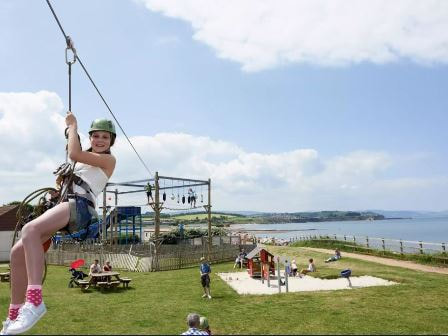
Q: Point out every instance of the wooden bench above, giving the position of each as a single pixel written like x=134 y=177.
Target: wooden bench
x=125 y=282
x=4 y=277
x=114 y=284
x=102 y=284
x=84 y=284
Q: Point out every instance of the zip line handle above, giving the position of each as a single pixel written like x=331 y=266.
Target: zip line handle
x=71 y=47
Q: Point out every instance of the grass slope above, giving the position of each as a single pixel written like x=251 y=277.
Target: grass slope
x=158 y=303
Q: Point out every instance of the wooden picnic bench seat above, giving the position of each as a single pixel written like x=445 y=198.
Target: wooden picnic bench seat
x=114 y=284
x=125 y=282
x=4 y=277
x=84 y=284
x=102 y=284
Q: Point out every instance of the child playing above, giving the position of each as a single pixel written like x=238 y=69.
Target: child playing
x=293 y=267
x=311 y=268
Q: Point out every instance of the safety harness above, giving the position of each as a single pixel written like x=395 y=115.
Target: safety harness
x=67 y=178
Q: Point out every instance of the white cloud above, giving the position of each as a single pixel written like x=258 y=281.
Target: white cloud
x=261 y=34
x=32 y=142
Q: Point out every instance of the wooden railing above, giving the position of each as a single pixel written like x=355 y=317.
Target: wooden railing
x=382 y=244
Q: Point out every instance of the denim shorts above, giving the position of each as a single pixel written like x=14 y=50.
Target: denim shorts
x=205 y=280
x=82 y=215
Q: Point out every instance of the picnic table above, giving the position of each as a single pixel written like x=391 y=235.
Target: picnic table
x=4 y=277
x=107 y=280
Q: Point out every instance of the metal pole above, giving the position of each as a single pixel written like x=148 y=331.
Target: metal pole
x=279 y=276
x=156 y=211
x=103 y=226
x=262 y=273
x=268 y=267
x=209 y=208
x=113 y=220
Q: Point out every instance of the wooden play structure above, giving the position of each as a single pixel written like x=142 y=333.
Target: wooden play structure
x=260 y=262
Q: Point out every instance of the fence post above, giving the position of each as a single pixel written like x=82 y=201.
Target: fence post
x=421 y=246
x=401 y=247
x=443 y=248
x=384 y=244
x=354 y=240
x=367 y=242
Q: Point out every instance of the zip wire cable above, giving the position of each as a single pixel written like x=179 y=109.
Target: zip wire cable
x=70 y=43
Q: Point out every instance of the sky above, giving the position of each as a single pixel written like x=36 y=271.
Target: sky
x=294 y=105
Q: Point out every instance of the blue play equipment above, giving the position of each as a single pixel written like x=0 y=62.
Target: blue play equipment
x=129 y=220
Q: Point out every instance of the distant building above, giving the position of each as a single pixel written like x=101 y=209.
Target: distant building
x=7 y=225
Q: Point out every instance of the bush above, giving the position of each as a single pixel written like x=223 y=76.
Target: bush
x=172 y=236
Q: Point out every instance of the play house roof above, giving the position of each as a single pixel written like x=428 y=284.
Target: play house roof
x=256 y=251
x=8 y=217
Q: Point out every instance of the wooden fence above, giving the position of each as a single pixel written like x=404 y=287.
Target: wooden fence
x=142 y=257
x=382 y=244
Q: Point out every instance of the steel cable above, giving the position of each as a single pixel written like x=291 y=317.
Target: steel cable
x=67 y=39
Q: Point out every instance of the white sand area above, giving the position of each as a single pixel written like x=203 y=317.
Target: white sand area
x=242 y=283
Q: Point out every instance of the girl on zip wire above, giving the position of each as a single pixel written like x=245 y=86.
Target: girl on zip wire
x=93 y=168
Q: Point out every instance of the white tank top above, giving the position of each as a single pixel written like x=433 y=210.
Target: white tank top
x=95 y=177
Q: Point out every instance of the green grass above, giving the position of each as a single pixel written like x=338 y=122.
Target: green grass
x=158 y=303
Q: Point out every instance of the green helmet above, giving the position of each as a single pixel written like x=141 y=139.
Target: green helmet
x=102 y=125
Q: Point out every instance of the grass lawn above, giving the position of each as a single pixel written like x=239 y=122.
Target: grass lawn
x=158 y=303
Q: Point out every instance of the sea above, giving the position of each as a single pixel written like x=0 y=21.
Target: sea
x=433 y=230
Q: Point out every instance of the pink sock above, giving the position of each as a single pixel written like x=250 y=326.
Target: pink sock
x=34 y=294
x=14 y=311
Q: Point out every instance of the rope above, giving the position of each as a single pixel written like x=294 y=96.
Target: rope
x=68 y=40
x=19 y=216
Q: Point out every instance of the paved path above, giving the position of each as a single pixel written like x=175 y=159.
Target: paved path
x=386 y=261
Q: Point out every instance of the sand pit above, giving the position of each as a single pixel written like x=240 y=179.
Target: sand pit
x=242 y=283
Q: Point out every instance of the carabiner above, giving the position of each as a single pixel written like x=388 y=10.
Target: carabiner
x=70 y=46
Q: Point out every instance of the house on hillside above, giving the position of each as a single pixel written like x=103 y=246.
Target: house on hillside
x=7 y=225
